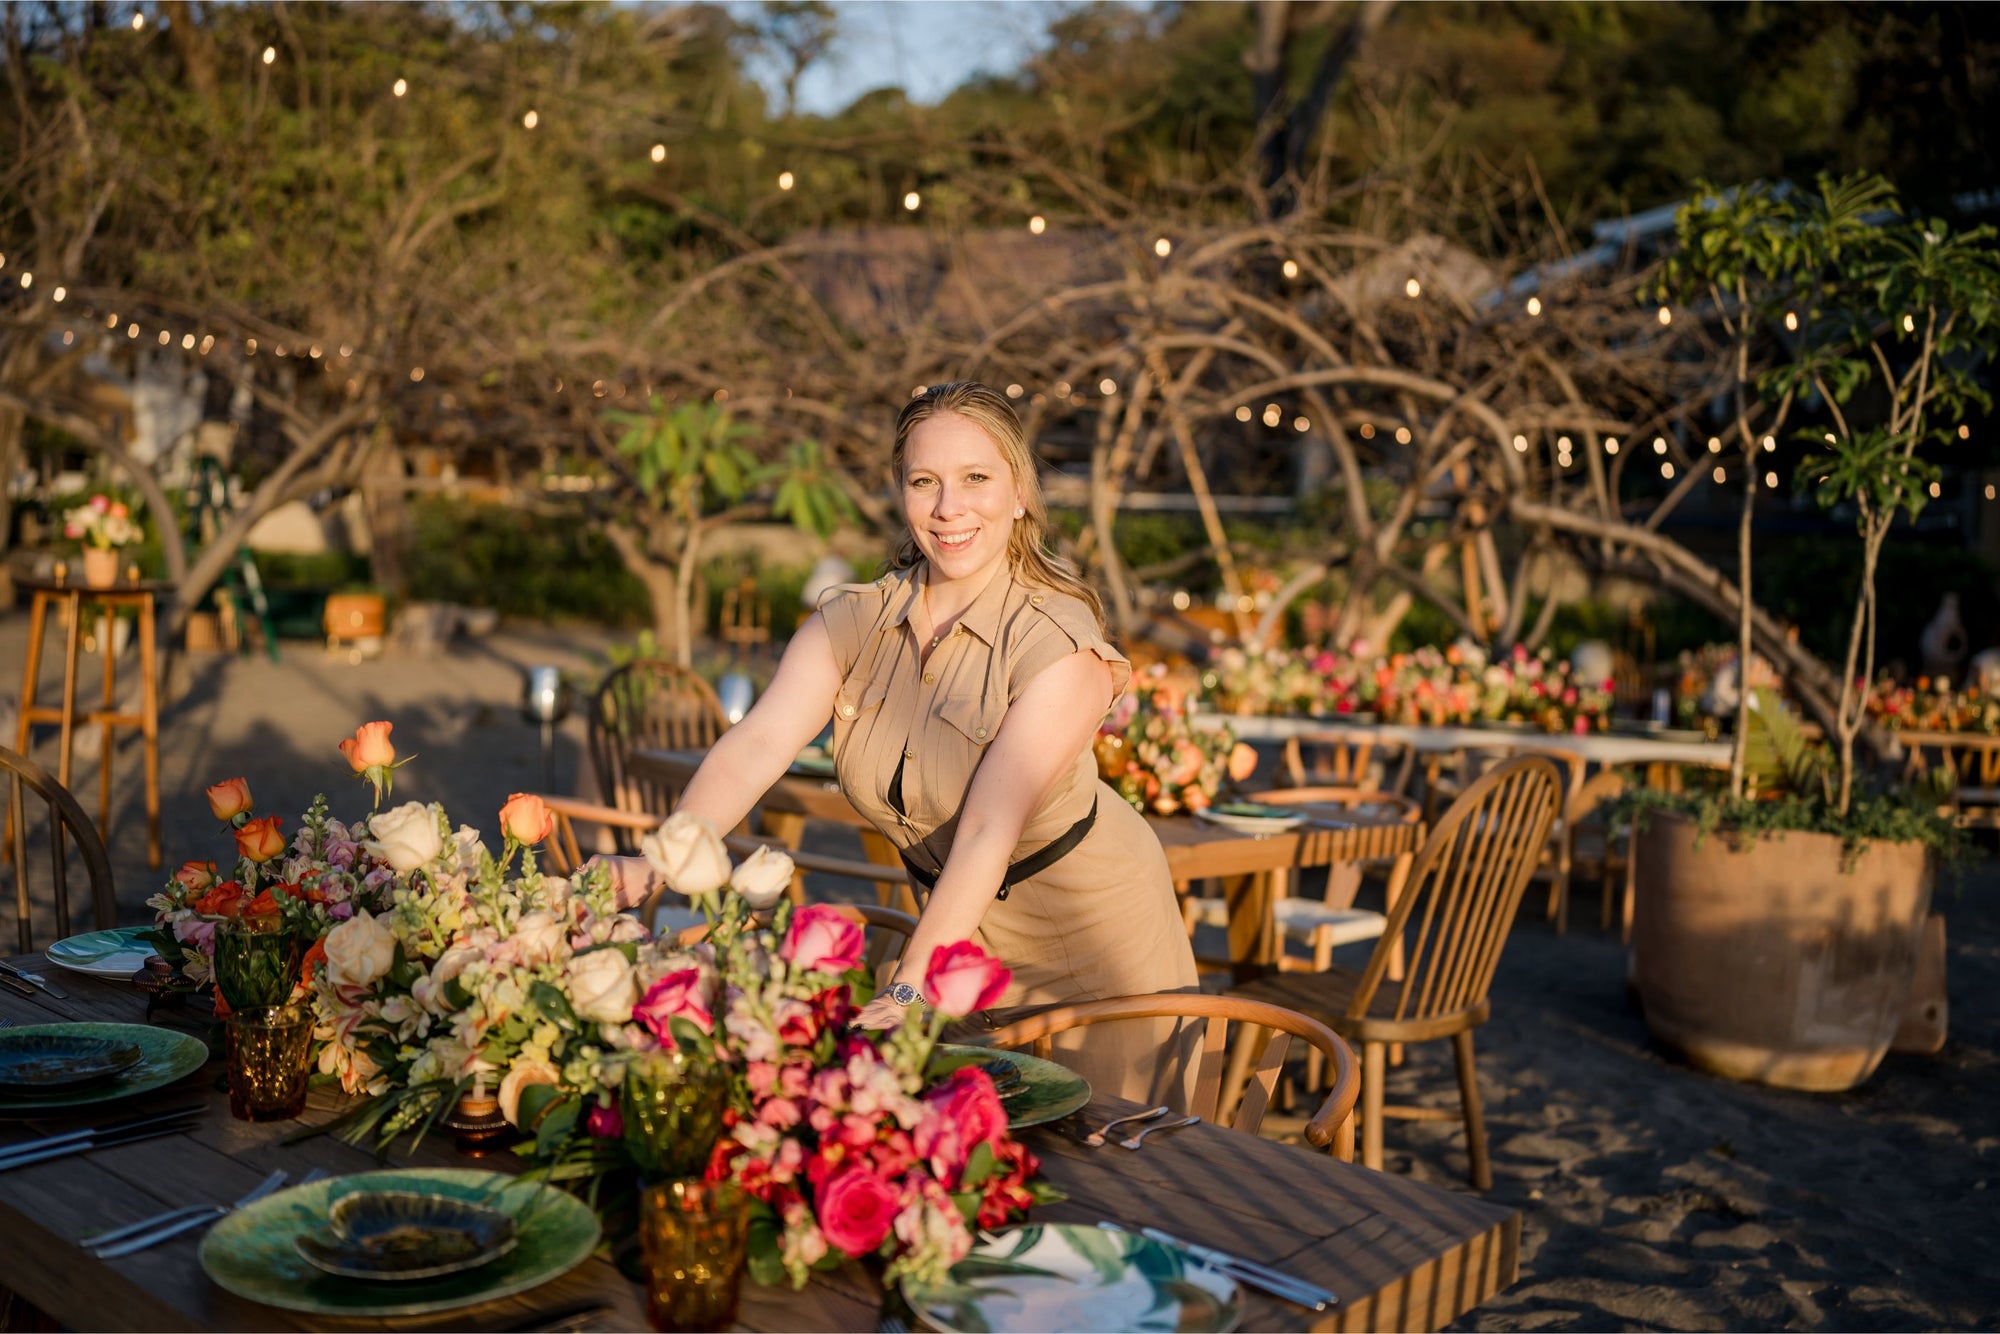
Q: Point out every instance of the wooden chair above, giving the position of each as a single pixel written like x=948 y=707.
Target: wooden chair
x=648 y=704
x=1558 y=862
x=1345 y=757
x=66 y=824
x=1459 y=903
x=1270 y=1029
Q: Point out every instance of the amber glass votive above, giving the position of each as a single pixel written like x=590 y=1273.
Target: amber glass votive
x=256 y=961
x=268 y=1047
x=693 y=1236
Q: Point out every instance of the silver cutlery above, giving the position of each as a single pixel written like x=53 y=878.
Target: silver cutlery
x=207 y=1215
x=186 y=1211
x=99 y=1137
x=1096 y=1138
x=1140 y=1138
x=1274 y=1281
x=35 y=980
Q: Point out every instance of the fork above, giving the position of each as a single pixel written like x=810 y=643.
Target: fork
x=1096 y=1138
x=165 y=1229
x=1140 y=1138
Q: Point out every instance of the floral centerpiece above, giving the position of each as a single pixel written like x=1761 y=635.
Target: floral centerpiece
x=1933 y=706
x=101 y=524
x=1157 y=759
x=438 y=969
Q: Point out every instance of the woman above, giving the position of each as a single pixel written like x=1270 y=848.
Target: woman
x=965 y=688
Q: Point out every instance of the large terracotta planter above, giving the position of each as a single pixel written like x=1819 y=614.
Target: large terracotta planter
x=1768 y=961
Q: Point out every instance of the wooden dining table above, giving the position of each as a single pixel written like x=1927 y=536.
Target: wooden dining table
x=1250 y=866
x=1401 y=1255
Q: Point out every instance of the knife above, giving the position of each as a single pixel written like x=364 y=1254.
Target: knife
x=100 y=1142
x=1274 y=1281
x=34 y=980
x=30 y=1148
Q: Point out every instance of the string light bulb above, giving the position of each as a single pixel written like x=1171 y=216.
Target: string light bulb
x=1666 y=316
x=1659 y=444
x=27 y=280
x=912 y=201
x=1037 y=225
x=1770 y=445
x=165 y=338
x=111 y=320
x=1301 y=424
x=416 y=374
x=1667 y=470
x=1402 y=435
x=187 y=342
x=1792 y=321
x=1272 y=414
x=1163 y=247
x=659 y=152
x=1013 y=391
x=62 y=292
x=532 y=119
x=1936 y=491
x=1989 y=490
x=1413 y=288
x=1291 y=268
x=1611 y=444
x=1714 y=445
x=1771 y=481
x=1107 y=386
x=1964 y=432
x=1243 y=413
x=207 y=342
x=786 y=180
x=132 y=329
x=402 y=86
x=138 y=22
x=1909 y=324
x=270 y=54
x=1520 y=444
x=1367 y=430
x=69 y=336
x=250 y=346
x=1720 y=475
x=1534 y=306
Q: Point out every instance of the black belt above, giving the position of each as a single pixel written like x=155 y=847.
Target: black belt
x=1029 y=866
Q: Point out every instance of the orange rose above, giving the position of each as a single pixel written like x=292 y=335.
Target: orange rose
x=195 y=877
x=231 y=799
x=526 y=819
x=259 y=840
x=1242 y=761
x=315 y=960
x=221 y=1005
x=225 y=900
x=369 y=747
x=264 y=905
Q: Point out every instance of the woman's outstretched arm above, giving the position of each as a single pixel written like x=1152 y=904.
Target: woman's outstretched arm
x=1046 y=728
x=748 y=758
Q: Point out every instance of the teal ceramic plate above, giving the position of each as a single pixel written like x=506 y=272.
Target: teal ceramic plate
x=1243 y=823
x=1067 y=1277
x=252 y=1251
x=164 y=1057
x=42 y=1064
x=1046 y=1091
x=117 y=953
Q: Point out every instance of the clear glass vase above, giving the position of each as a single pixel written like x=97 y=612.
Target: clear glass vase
x=256 y=961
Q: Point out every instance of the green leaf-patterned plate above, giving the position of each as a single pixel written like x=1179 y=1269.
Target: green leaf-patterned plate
x=116 y=954
x=1047 y=1091
x=251 y=1252
x=1066 y=1277
x=164 y=1057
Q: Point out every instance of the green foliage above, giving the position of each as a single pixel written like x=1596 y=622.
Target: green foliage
x=540 y=566
x=809 y=492
x=1890 y=817
x=319 y=571
x=690 y=458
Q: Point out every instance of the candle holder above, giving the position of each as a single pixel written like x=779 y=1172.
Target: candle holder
x=268 y=1050
x=672 y=1106
x=693 y=1239
x=477 y=1125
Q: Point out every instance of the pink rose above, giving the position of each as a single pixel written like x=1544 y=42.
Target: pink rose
x=798 y=1023
x=857 y=1209
x=963 y=979
x=970 y=1102
x=823 y=939
x=675 y=994
x=605 y=1122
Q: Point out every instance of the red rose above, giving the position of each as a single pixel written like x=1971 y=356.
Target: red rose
x=856 y=1210
x=315 y=960
x=225 y=900
x=963 y=979
x=264 y=905
x=965 y=1112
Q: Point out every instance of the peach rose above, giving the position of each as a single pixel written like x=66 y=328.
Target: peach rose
x=195 y=877
x=369 y=747
x=519 y=1078
x=259 y=840
x=526 y=819
x=230 y=799
x=1242 y=761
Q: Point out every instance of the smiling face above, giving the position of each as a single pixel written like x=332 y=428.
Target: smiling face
x=959 y=498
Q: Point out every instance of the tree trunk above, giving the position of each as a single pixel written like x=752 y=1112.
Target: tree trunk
x=1744 y=612
x=385 y=501
x=660 y=580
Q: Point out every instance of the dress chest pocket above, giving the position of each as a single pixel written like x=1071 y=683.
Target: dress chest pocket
x=857 y=698
x=977 y=717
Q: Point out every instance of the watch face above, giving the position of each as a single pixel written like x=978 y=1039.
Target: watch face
x=903 y=993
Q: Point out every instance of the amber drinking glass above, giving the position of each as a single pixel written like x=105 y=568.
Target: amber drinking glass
x=268 y=1047
x=672 y=1106
x=693 y=1236
x=256 y=961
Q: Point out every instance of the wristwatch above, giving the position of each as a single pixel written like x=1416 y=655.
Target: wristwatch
x=903 y=994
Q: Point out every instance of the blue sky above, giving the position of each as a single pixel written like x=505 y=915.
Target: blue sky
x=925 y=47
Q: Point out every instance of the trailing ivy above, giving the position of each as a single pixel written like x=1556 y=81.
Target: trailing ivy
x=1887 y=817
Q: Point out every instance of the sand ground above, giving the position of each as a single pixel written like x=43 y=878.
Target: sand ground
x=1653 y=1196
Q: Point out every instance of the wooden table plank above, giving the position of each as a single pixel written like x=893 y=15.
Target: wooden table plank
x=1401 y=1254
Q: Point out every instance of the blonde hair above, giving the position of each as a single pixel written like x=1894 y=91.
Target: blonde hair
x=1027 y=551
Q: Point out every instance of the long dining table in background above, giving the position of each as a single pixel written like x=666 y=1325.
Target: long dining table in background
x=1400 y=1254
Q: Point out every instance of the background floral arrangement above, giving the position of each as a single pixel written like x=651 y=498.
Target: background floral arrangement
x=1429 y=686
x=1158 y=760
x=1933 y=706
x=101 y=523
x=437 y=969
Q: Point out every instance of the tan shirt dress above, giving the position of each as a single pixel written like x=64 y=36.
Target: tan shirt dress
x=1103 y=921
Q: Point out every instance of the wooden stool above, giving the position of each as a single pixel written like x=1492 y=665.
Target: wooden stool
x=73 y=598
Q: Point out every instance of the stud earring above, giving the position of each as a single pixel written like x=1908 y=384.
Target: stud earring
x=1021 y=513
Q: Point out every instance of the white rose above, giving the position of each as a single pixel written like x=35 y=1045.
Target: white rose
x=538 y=938
x=523 y=1073
x=359 y=951
x=763 y=877
x=601 y=986
x=687 y=854
x=406 y=837
x=467 y=845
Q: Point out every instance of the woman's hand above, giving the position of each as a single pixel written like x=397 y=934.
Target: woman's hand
x=879 y=1013
x=632 y=877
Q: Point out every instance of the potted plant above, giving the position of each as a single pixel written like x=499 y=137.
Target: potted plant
x=1777 y=922
x=102 y=525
